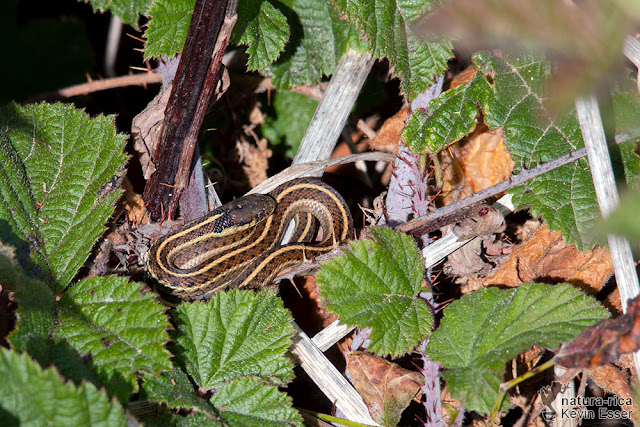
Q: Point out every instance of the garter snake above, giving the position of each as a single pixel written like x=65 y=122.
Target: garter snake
x=238 y=244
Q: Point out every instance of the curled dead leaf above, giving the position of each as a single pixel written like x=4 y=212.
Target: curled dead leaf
x=388 y=137
x=146 y=130
x=387 y=389
x=474 y=163
x=545 y=257
x=603 y=342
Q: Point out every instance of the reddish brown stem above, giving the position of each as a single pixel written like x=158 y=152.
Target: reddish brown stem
x=199 y=71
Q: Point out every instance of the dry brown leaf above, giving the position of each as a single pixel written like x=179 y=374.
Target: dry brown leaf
x=146 y=130
x=388 y=137
x=254 y=159
x=613 y=380
x=603 y=342
x=474 y=163
x=134 y=205
x=463 y=77
x=547 y=258
x=386 y=388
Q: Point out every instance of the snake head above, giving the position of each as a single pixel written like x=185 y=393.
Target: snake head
x=249 y=209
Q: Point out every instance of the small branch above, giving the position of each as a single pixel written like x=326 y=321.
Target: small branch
x=449 y=214
x=140 y=79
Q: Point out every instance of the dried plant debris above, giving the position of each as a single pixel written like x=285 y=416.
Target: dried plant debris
x=545 y=257
x=146 y=129
x=482 y=255
x=604 y=342
x=474 y=163
x=386 y=388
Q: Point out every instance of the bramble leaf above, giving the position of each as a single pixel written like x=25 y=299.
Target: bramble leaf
x=483 y=330
x=247 y=402
x=35 y=312
x=127 y=10
x=236 y=334
x=376 y=285
x=55 y=195
x=318 y=40
x=30 y=395
x=452 y=115
x=264 y=29
x=387 y=25
x=565 y=196
x=174 y=389
x=122 y=328
x=168 y=26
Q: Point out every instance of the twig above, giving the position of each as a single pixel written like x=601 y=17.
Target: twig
x=317 y=167
x=140 y=79
x=607 y=195
x=435 y=219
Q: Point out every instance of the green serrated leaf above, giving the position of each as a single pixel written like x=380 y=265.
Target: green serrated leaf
x=376 y=285
x=32 y=396
x=246 y=402
x=174 y=389
x=168 y=26
x=122 y=328
x=263 y=28
x=235 y=334
x=193 y=419
x=564 y=197
x=514 y=101
x=452 y=115
x=626 y=104
x=68 y=159
x=630 y=163
x=387 y=25
x=19 y=226
x=485 y=329
x=287 y=123
x=318 y=40
x=127 y=10
x=36 y=305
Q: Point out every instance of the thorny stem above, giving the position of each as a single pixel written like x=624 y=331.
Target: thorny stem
x=409 y=194
x=199 y=71
x=139 y=79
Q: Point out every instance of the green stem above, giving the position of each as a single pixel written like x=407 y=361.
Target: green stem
x=506 y=386
x=330 y=419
